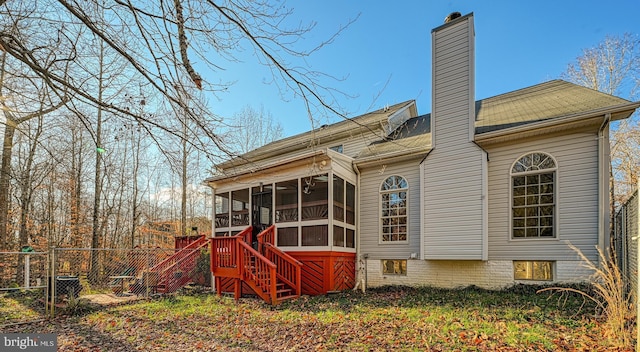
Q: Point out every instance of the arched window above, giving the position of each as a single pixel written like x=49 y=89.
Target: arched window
x=533 y=199
x=393 y=206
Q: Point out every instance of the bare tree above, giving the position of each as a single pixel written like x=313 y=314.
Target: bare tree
x=613 y=67
x=251 y=128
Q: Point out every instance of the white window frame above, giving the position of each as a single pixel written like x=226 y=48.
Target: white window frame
x=406 y=215
x=512 y=174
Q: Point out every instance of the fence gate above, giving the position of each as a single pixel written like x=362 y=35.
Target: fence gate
x=23 y=287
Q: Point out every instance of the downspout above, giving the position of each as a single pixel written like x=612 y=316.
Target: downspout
x=358 y=254
x=603 y=182
x=422 y=230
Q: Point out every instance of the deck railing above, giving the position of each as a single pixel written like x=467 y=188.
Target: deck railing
x=258 y=272
x=233 y=257
x=288 y=268
x=178 y=255
x=177 y=274
x=224 y=253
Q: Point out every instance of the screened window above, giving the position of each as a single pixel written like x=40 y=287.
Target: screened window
x=533 y=199
x=393 y=205
x=222 y=210
x=240 y=207
x=287 y=201
x=315 y=197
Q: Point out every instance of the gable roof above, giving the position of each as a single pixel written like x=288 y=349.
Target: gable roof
x=542 y=102
x=371 y=122
x=548 y=101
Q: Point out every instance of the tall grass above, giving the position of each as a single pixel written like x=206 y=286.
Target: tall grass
x=611 y=295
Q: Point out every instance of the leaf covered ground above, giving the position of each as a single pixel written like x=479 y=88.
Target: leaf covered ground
x=384 y=319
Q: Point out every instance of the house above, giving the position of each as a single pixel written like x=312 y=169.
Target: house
x=486 y=193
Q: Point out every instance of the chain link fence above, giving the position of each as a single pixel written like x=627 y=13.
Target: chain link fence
x=36 y=285
x=626 y=240
x=23 y=287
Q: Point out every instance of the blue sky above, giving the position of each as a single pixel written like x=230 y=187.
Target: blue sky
x=518 y=44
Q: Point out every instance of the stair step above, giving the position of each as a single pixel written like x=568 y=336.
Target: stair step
x=285 y=298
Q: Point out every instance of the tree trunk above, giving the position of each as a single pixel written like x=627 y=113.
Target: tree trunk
x=5 y=178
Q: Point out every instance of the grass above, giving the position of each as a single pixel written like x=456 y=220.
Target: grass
x=389 y=318
x=21 y=305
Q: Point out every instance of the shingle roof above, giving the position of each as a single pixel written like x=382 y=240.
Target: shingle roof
x=545 y=101
x=367 y=122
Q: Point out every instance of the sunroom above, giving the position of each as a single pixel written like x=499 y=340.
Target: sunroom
x=311 y=200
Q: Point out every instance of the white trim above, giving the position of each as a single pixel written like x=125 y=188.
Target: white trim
x=380 y=192
x=471 y=77
x=556 y=200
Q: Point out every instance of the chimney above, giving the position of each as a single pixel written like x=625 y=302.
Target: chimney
x=453 y=80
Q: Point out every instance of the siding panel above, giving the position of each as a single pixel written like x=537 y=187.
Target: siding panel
x=370 y=182
x=577 y=198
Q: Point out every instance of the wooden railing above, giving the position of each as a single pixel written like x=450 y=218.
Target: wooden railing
x=258 y=272
x=288 y=269
x=163 y=265
x=262 y=269
x=177 y=274
x=224 y=254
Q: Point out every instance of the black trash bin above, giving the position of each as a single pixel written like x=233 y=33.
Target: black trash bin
x=68 y=285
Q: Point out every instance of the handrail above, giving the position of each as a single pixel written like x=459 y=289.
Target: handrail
x=177 y=254
x=267 y=235
x=260 y=273
x=288 y=268
x=190 y=258
x=224 y=250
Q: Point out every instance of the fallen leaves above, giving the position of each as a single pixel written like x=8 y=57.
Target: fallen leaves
x=388 y=319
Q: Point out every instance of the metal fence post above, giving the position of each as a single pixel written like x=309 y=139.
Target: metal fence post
x=52 y=282
x=27 y=273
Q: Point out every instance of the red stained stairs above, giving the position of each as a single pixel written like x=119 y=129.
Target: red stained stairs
x=269 y=272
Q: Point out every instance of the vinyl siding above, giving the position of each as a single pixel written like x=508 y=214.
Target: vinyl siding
x=576 y=198
x=370 y=181
x=453 y=173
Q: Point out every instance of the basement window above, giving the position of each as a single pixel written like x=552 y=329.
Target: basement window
x=533 y=270
x=394 y=267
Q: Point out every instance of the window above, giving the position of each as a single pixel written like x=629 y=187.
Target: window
x=315 y=197
x=533 y=196
x=287 y=236
x=240 y=207
x=222 y=210
x=533 y=270
x=393 y=206
x=337 y=148
x=315 y=235
x=338 y=198
x=394 y=267
x=287 y=201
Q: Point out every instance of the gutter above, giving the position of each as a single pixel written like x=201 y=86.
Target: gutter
x=277 y=163
x=392 y=157
x=557 y=121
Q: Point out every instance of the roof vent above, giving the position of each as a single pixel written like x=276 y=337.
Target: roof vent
x=452 y=16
